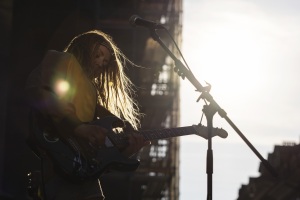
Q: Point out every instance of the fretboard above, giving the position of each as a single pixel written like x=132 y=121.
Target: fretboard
x=121 y=138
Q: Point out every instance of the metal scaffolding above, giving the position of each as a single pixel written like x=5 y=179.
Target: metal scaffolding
x=158 y=97
x=37 y=26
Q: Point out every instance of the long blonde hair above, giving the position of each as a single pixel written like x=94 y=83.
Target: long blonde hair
x=114 y=89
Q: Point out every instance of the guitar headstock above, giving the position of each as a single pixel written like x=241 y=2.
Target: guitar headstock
x=203 y=131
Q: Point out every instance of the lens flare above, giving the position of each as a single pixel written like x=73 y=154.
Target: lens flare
x=62 y=87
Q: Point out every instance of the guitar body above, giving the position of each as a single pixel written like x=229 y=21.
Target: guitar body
x=69 y=159
x=79 y=161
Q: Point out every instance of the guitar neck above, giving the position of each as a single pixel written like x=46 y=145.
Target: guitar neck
x=167 y=133
x=121 y=138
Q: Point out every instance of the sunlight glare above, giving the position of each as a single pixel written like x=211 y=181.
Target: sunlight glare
x=232 y=58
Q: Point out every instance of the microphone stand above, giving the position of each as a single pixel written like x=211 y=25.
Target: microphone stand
x=209 y=111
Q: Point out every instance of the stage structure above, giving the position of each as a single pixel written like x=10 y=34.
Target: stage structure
x=158 y=96
x=30 y=28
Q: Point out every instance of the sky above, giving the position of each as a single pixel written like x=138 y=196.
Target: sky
x=249 y=51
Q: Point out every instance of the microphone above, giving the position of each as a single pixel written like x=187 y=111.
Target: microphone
x=135 y=20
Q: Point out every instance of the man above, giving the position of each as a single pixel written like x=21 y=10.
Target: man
x=68 y=90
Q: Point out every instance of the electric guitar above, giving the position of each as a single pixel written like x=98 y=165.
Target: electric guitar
x=79 y=162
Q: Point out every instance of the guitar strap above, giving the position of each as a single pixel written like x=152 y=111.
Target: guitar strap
x=30 y=140
x=37 y=122
x=102 y=112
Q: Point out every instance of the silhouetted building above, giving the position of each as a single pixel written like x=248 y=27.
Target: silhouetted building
x=286 y=161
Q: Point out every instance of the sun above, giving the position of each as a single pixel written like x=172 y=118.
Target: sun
x=231 y=56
